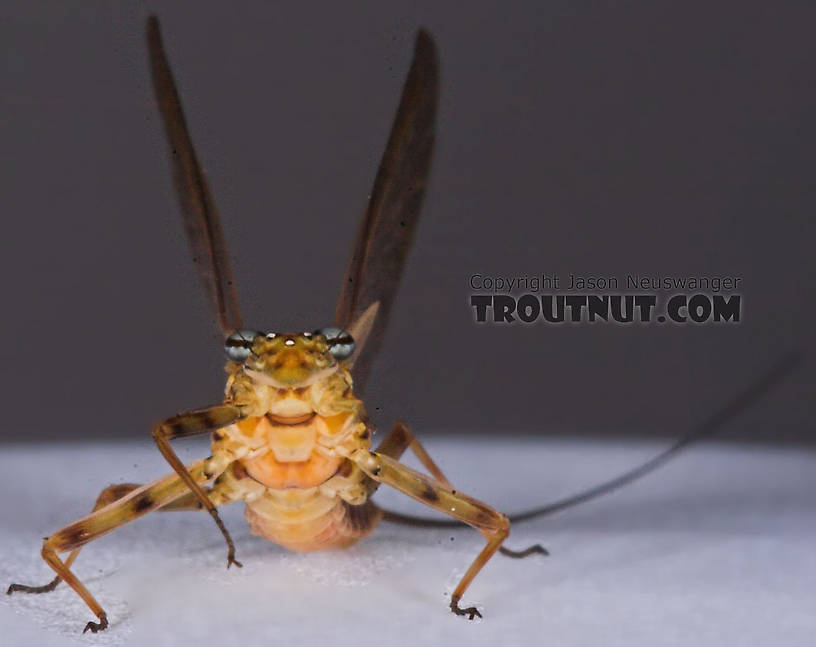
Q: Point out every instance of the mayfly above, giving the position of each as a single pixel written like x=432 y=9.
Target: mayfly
x=292 y=438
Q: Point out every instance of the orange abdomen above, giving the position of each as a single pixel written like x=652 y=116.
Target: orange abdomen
x=320 y=524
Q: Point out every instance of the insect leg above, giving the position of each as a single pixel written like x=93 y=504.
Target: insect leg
x=133 y=505
x=492 y=524
x=192 y=423
x=401 y=438
x=110 y=494
x=395 y=443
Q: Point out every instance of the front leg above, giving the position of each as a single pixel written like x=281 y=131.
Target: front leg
x=492 y=524
x=192 y=423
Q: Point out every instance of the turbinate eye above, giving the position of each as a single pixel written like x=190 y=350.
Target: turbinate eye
x=341 y=344
x=238 y=344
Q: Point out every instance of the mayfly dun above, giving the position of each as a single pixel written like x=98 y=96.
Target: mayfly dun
x=292 y=438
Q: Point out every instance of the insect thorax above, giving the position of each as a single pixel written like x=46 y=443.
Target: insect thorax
x=288 y=459
x=292 y=437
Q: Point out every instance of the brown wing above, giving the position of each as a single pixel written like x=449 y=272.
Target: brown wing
x=384 y=238
x=198 y=210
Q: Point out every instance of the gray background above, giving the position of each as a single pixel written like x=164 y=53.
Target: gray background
x=606 y=138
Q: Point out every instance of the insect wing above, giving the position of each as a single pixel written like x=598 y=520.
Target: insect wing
x=385 y=234
x=197 y=207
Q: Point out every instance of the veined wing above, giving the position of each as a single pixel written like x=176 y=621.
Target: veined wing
x=197 y=207
x=388 y=225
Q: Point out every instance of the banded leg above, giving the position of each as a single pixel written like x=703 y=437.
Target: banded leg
x=394 y=445
x=133 y=505
x=192 y=423
x=106 y=497
x=493 y=525
x=401 y=438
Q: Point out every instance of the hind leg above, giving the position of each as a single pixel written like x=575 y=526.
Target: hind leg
x=401 y=438
x=107 y=496
x=493 y=525
x=394 y=445
x=134 y=504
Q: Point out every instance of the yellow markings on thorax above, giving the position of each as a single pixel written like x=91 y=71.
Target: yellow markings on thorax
x=290 y=443
x=280 y=455
x=290 y=406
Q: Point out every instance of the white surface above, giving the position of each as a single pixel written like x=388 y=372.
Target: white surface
x=715 y=549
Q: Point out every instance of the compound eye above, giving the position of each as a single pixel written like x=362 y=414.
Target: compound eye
x=238 y=345
x=341 y=343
